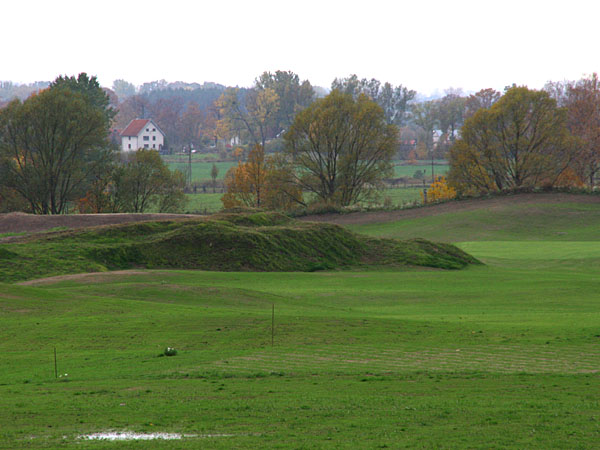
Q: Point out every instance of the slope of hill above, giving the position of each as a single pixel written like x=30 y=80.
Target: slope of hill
x=543 y=216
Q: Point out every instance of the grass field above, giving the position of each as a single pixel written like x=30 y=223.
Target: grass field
x=505 y=355
x=211 y=203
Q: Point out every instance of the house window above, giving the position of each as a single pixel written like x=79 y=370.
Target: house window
x=147 y=129
x=130 y=146
x=129 y=138
x=145 y=145
x=153 y=138
x=153 y=145
x=146 y=138
x=153 y=129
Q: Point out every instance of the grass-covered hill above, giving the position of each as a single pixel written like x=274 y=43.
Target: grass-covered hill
x=253 y=241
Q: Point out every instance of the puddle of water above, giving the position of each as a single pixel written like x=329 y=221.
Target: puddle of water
x=130 y=436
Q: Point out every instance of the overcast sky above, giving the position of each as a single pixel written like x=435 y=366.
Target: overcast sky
x=422 y=44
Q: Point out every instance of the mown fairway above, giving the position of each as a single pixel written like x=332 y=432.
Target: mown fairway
x=505 y=355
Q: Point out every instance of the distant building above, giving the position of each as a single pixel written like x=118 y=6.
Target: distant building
x=142 y=133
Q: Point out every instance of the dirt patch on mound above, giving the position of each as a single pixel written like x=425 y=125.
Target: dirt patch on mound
x=31 y=223
x=91 y=277
x=361 y=218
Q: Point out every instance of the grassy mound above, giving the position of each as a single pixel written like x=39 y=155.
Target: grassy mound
x=228 y=242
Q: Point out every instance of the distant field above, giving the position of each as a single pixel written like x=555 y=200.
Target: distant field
x=504 y=355
x=201 y=168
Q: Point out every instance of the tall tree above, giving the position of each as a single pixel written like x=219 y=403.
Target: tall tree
x=425 y=116
x=254 y=114
x=123 y=89
x=521 y=141
x=341 y=147
x=450 y=113
x=54 y=144
x=293 y=95
x=582 y=100
x=395 y=101
x=90 y=89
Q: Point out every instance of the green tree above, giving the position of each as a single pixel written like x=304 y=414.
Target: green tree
x=90 y=89
x=341 y=148
x=53 y=145
x=143 y=181
x=521 y=141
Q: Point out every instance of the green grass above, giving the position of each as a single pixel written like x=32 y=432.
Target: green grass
x=502 y=355
x=201 y=203
x=408 y=170
x=201 y=169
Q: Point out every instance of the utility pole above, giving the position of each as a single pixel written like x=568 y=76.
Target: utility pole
x=189 y=168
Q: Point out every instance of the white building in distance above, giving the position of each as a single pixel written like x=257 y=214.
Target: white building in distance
x=142 y=133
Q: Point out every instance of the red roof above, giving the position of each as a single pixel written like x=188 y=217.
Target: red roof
x=134 y=127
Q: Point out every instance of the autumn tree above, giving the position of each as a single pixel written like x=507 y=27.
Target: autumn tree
x=482 y=99
x=341 y=148
x=55 y=143
x=261 y=182
x=582 y=100
x=191 y=125
x=245 y=184
x=521 y=141
x=439 y=191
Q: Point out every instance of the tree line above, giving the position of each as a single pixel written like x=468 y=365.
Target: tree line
x=294 y=144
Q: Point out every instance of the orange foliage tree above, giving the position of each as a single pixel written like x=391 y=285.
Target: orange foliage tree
x=439 y=191
x=261 y=183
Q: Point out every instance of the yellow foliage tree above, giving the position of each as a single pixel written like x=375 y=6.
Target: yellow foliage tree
x=439 y=191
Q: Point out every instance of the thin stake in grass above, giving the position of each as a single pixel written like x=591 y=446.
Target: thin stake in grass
x=55 y=365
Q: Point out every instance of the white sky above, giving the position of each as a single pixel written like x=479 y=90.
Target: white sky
x=422 y=44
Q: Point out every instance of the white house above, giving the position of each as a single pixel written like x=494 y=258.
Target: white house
x=142 y=133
